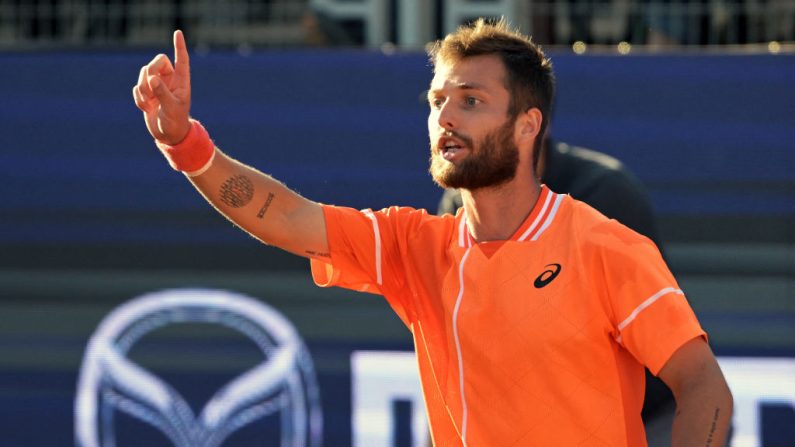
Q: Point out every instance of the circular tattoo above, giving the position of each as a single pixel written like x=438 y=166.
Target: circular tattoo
x=237 y=191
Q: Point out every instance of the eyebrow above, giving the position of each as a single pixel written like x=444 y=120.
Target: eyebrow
x=469 y=86
x=462 y=86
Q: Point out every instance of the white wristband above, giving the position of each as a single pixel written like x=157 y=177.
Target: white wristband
x=204 y=168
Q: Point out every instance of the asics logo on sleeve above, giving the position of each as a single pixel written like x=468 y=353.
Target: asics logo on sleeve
x=547 y=275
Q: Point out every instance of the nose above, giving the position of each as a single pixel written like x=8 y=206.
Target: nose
x=446 y=117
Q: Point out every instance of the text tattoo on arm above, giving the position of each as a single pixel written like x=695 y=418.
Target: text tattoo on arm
x=237 y=191
x=264 y=208
x=713 y=427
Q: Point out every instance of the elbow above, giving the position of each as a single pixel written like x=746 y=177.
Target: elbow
x=707 y=386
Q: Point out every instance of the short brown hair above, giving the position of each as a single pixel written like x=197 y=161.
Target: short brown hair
x=531 y=82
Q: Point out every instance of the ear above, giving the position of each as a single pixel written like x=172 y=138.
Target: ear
x=528 y=126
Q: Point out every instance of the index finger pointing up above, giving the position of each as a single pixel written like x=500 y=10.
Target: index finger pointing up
x=181 y=59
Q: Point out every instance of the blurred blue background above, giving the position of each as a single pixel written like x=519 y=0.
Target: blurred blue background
x=92 y=216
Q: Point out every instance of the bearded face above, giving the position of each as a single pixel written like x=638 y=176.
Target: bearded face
x=492 y=161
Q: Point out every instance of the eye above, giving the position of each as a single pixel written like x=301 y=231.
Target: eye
x=436 y=103
x=471 y=101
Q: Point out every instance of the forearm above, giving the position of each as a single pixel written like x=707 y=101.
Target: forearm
x=703 y=418
x=263 y=206
x=257 y=203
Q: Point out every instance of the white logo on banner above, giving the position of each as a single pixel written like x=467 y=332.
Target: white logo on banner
x=382 y=377
x=378 y=378
x=756 y=381
x=284 y=383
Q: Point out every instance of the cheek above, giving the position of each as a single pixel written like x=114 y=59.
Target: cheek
x=431 y=124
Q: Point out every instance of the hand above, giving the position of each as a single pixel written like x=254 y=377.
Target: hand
x=163 y=94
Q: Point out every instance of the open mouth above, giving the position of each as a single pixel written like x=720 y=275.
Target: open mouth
x=449 y=148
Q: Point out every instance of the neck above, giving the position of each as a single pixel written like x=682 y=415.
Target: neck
x=495 y=213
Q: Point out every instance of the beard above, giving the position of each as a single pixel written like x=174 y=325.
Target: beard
x=491 y=162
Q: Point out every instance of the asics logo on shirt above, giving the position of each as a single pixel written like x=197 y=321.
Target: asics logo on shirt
x=547 y=276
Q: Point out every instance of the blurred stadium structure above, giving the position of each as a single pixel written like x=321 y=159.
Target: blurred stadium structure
x=405 y=23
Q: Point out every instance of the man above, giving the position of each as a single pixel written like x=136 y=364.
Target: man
x=532 y=315
x=605 y=184
x=608 y=186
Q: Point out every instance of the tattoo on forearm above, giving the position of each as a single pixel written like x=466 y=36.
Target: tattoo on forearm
x=712 y=428
x=237 y=191
x=319 y=255
x=264 y=208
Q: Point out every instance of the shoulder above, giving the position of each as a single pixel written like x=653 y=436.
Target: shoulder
x=413 y=216
x=400 y=219
x=622 y=262
x=597 y=231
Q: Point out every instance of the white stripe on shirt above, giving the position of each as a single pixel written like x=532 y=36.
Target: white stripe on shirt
x=377 y=236
x=462 y=228
x=642 y=306
x=458 y=347
x=538 y=218
x=550 y=218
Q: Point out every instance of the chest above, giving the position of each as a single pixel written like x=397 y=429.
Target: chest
x=543 y=293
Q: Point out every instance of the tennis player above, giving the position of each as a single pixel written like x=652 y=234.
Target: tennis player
x=532 y=314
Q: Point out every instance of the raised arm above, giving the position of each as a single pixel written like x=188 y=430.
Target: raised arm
x=254 y=201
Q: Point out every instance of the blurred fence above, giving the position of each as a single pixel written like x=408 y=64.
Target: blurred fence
x=28 y=24
x=35 y=23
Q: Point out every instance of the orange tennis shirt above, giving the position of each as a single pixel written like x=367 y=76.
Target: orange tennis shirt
x=539 y=340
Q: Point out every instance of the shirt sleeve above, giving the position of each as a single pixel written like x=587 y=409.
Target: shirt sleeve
x=652 y=317
x=365 y=253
